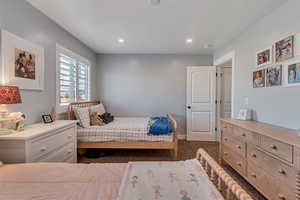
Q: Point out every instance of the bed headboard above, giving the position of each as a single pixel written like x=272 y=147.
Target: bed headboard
x=70 y=112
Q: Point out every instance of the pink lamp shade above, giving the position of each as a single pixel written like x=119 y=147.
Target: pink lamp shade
x=10 y=95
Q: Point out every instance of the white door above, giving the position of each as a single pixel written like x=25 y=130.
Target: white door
x=201 y=106
x=226 y=92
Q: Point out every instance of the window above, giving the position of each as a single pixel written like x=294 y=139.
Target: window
x=72 y=77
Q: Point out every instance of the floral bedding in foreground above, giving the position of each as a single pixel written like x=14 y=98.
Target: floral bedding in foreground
x=182 y=180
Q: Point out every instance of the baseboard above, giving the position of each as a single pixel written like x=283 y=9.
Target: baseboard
x=181 y=137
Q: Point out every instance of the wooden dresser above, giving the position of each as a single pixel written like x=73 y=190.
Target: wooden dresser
x=55 y=142
x=267 y=156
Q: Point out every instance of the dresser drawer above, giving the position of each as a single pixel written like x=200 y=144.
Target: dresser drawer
x=234 y=160
x=60 y=155
x=272 y=188
x=281 y=150
x=41 y=146
x=275 y=168
x=241 y=134
x=236 y=146
x=235 y=132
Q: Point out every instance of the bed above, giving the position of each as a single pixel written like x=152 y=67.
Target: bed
x=122 y=133
x=62 y=181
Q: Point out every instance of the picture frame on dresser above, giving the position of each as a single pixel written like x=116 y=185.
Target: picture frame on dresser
x=22 y=62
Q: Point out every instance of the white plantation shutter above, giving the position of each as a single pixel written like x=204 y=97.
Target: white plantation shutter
x=67 y=79
x=83 y=83
x=73 y=78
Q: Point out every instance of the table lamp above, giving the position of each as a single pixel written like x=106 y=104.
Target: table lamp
x=8 y=95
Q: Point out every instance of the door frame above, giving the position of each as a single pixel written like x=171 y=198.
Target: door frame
x=219 y=89
x=213 y=136
x=222 y=60
x=217 y=62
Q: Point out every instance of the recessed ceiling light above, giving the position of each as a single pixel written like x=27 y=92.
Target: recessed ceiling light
x=121 y=40
x=189 y=40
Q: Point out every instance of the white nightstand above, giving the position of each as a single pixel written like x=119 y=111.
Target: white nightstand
x=55 y=142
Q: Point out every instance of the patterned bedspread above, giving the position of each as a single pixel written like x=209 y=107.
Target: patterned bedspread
x=183 y=180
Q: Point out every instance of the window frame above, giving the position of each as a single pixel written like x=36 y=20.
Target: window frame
x=79 y=59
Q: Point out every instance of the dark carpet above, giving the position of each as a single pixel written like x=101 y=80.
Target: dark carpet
x=187 y=150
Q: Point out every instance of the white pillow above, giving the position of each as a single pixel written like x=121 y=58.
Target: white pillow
x=99 y=109
x=83 y=115
x=1 y=163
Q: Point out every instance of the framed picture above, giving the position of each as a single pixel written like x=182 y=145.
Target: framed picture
x=264 y=57
x=23 y=62
x=284 y=49
x=274 y=76
x=47 y=119
x=259 y=79
x=293 y=73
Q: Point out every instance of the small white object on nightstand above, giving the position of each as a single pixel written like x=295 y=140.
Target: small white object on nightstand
x=55 y=142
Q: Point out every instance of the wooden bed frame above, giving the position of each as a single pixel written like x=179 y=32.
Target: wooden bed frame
x=228 y=187
x=172 y=146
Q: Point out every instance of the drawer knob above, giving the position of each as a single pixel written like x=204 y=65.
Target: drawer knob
x=70 y=151
x=281 y=197
x=253 y=175
x=281 y=171
x=238 y=146
x=274 y=147
x=225 y=126
x=244 y=134
x=43 y=149
x=225 y=139
x=253 y=155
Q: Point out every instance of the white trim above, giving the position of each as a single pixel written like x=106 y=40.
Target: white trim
x=181 y=137
x=222 y=60
x=59 y=48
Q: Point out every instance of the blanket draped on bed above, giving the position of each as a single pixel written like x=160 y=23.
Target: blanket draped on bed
x=182 y=180
x=159 y=126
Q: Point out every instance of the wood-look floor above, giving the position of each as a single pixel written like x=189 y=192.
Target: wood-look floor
x=187 y=150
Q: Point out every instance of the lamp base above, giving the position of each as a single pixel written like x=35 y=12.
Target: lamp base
x=5 y=131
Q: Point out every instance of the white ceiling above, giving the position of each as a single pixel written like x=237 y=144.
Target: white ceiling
x=161 y=29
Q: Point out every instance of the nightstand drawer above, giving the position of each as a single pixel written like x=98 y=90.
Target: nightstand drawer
x=44 y=145
x=61 y=155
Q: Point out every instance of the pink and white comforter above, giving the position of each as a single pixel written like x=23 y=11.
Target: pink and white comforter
x=183 y=180
x=60 y=181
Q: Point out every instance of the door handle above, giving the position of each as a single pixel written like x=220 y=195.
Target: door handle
x=189 y=107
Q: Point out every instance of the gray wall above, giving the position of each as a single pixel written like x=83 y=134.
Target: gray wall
x=278 y=105
x=20 y=18
x=146 y=85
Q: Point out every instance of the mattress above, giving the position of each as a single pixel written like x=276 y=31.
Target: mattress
x=60 y=181
x=121 y=129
